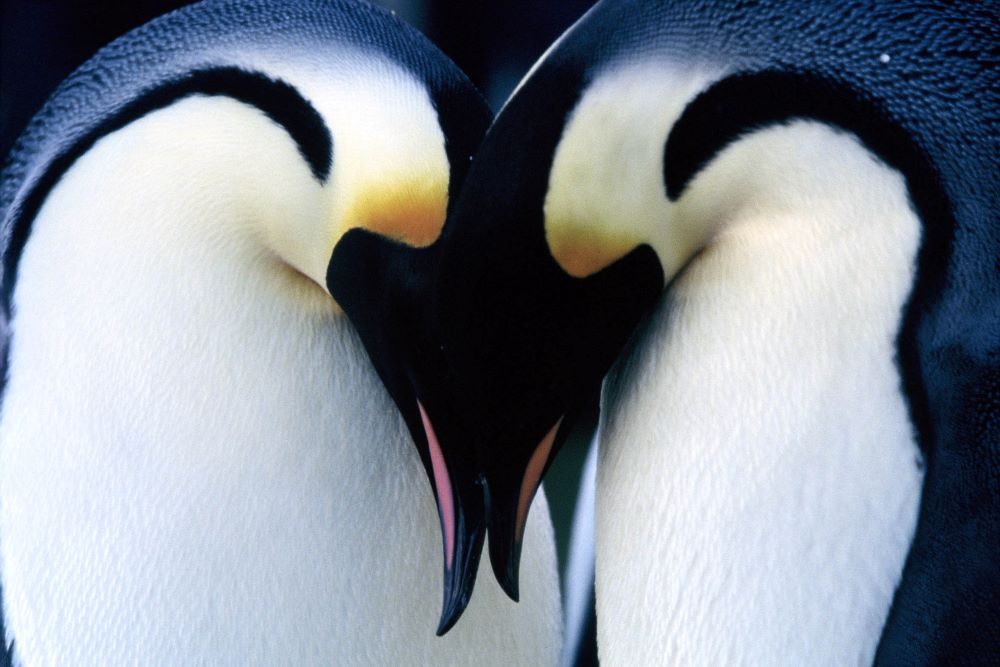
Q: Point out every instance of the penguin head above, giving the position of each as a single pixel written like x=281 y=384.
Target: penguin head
x=397 y=164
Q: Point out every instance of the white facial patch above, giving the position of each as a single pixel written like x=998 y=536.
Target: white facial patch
x=606 y=192
x=390 y=167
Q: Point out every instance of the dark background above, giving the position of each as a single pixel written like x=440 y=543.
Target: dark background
x=42 y=41
x=495 y=43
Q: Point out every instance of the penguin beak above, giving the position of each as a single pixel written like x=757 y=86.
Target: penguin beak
x=461 y=508
x=383 y=286
x=511 y=490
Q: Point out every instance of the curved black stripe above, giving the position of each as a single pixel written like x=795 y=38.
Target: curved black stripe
x=744 y=103
x=278 y=100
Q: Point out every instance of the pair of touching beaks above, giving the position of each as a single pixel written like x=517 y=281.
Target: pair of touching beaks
x=469 y=505
x=483 y=480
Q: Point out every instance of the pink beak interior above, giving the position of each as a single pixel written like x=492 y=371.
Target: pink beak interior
x=532 y=478
x=446 y=500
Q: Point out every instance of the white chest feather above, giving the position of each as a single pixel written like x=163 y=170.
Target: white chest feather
x=197 y=463
x=759 y=480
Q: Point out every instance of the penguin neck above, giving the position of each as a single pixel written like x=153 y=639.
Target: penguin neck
x=759 y=479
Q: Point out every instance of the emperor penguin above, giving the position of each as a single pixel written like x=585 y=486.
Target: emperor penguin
x=218 y=418
x=773 y=228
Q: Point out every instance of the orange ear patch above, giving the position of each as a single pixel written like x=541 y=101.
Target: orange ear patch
x=582 y=252
x=410 y=211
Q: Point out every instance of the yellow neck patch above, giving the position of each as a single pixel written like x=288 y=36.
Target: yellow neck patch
x=583 y=251
x=605 y=192
x=411 y=211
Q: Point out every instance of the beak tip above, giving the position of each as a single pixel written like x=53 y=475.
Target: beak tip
x=460 y=580
x=505 y=569
x=511 y=589
x=445 y=624
x=454 y=606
